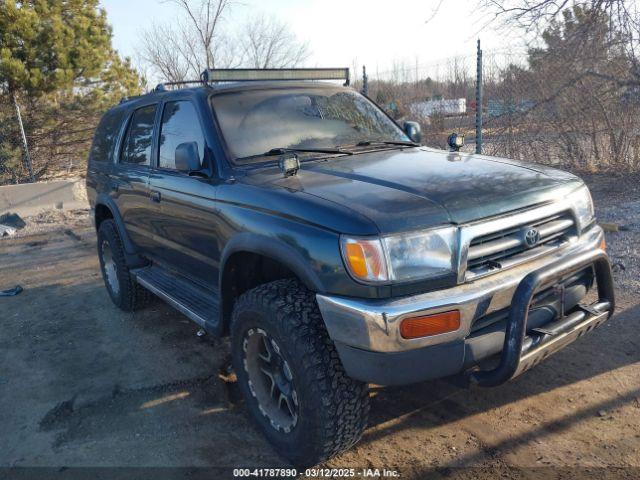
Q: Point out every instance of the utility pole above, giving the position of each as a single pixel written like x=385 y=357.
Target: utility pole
x=25 y=145
x=479 y=101
x=365 y=81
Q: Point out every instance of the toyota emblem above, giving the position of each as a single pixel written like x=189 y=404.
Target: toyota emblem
x=531 y=237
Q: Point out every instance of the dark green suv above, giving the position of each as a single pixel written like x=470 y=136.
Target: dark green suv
x=295 y=216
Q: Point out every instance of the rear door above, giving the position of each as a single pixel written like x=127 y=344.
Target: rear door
x=132 y=180
x=100 y=173
x=183 y=218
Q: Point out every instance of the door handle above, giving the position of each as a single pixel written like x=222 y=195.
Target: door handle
x=155 y=196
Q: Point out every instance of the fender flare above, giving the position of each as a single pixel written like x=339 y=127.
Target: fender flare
x=129 y=248
x=275 y=250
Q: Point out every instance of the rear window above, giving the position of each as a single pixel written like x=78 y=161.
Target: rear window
x=105 y=136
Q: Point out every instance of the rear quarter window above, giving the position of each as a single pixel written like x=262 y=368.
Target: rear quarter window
x=105 y=136
x=139 y=138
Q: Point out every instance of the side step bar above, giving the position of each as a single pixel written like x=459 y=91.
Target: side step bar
x=195 y=302
x=521 y=351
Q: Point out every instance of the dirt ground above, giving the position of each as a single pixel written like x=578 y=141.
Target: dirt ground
x=85 y=385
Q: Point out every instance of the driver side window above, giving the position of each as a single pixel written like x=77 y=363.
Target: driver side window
x=180 y=124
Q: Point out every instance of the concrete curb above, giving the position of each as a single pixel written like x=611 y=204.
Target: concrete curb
x=32 y=198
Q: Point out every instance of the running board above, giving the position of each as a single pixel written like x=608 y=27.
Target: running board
x=188 y=298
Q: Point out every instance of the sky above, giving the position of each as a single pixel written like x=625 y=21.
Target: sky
x=375 y=33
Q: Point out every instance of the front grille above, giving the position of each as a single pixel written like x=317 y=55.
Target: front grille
x=492 y=250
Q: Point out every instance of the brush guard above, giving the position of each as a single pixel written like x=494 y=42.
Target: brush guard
x=522 y=350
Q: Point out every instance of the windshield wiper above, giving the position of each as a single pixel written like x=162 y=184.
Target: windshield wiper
x=367 y=143
x=281 y=151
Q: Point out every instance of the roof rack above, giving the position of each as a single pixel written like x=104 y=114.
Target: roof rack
x=162 y=87
x=213 y=75
x=128 y=99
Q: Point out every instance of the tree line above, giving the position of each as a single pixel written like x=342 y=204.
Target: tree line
x=572 y=99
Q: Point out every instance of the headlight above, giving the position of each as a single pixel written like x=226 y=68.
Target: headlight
x=582 y=206
x=403 y=257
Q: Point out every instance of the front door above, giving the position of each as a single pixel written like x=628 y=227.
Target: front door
x=183 y=219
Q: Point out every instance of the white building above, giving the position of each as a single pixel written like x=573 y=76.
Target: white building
x=456 y=106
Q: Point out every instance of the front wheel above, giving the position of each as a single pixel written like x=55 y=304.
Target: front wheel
x=291 y=377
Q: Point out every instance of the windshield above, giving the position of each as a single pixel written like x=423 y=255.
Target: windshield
x=256 y=121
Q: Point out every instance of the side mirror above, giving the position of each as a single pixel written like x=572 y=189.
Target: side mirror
x=187 y=157
x=413 y=131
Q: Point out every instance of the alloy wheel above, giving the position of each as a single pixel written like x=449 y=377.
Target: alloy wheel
x=270 y=380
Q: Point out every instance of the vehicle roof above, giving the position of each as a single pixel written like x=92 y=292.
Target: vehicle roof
x=226 y=87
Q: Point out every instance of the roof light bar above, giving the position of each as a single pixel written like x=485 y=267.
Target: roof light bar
x=265 y=74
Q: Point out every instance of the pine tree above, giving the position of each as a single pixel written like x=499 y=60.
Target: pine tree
x=56 y=60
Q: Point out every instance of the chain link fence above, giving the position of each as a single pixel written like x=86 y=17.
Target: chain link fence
x=440 y=95
x=549 y=107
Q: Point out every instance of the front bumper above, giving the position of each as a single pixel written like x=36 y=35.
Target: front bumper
x=367 y=336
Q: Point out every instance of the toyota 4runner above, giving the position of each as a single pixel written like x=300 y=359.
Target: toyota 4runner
x=297 y=217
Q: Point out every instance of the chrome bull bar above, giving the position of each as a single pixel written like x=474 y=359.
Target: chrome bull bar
x=522 y=351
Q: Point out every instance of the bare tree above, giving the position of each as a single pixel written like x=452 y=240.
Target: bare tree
x=270 y=43
x=539 y=15
x=196 y=43
x=199 y=41
x=205 y=16
x=163 y=49
x=528 y=14
x=575 y=102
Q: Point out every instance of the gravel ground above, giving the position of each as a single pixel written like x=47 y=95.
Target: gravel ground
x=617 y=200
x=85 y=385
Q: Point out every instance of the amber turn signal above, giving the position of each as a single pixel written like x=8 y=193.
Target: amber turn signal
x=365 y=259
x=603 y=244
x=427 y=325
x=357 y=260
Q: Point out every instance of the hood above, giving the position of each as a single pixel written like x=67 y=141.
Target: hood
x=421 y=187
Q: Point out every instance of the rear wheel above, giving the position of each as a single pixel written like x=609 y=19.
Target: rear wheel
x=124 y=291
x=291 y=377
